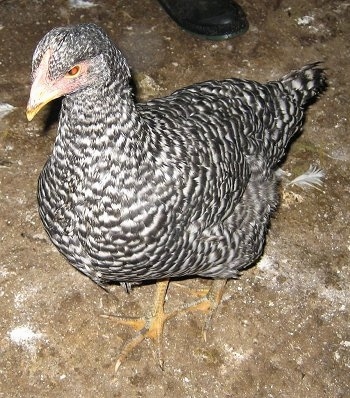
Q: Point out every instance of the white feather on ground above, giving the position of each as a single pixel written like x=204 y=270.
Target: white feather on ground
x=312 y=178
x=81 y=4
x=5 y=109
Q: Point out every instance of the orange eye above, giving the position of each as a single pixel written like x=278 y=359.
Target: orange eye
x=74 y=71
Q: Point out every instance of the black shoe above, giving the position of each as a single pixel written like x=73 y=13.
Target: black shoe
x=211 y=19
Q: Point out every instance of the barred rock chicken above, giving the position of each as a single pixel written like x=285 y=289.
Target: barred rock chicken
x=178 y=186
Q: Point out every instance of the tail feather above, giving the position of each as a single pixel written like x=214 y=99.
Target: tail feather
x=306 y=83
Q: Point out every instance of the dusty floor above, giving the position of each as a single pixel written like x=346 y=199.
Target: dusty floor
x=283 y=328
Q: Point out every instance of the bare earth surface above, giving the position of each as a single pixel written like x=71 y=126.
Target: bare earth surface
x=283 y=328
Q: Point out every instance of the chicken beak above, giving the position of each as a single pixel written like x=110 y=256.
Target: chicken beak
x=40 y=95
x=43 y=90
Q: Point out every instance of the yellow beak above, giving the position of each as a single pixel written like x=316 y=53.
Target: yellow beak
x=43 y=90
x=40 y=95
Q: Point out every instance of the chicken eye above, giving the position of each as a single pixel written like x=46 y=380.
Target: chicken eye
x=74 y=71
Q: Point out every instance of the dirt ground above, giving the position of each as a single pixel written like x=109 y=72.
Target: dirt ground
x=283 y=328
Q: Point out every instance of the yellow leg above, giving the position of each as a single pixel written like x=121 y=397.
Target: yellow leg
x=148 y=327
x=152 y=326
x=208 y=303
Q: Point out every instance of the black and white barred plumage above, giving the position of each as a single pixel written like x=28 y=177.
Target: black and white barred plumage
x=181 y=185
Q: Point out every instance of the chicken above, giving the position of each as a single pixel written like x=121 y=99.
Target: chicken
x=178 y=186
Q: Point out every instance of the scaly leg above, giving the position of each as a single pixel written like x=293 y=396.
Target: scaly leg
x=153 y=325
x=148 y=327
x=208 y=303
